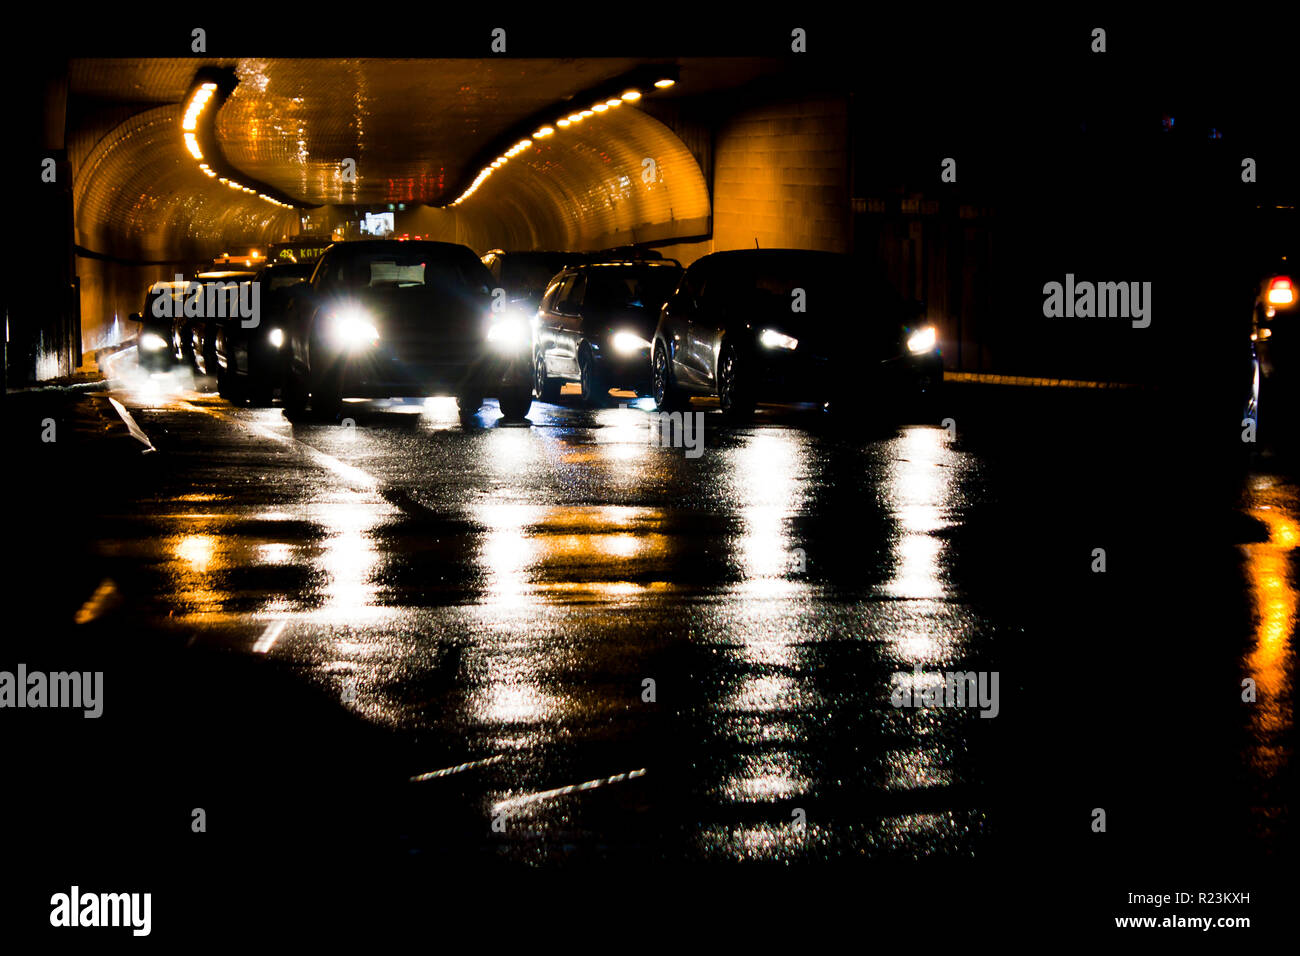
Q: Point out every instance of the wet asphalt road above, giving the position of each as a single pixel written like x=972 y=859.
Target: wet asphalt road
x=586 y=648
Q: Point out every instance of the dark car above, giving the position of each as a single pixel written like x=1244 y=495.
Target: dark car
x=1275 y=334
x=209 y=297
x=595 y=325
x=154 y=343
x=789 y=325
x=525 y=275
x=383 y=318
x=249 y=352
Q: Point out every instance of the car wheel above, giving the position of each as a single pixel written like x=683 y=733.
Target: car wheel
x=515 y=402
x=261 y=393
x=294 y=394
x=667 y=395
x=595 y=388
x=546 y=389
x=734 y=389
x=185 y=348
x=327 y=397
x=230 y=386
x=468 y=404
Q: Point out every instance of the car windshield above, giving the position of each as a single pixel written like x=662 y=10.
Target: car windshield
x=630 y=288
x=417 y=270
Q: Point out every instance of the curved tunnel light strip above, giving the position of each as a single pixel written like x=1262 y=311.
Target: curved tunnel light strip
x=135 y=196
x=192 y=124
x=584 y=190
x=573 y=119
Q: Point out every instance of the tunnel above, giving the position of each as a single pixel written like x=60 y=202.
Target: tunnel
x=161 y=165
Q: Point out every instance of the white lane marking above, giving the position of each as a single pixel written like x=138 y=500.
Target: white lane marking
x=448 y=771
x=269 y=637
x=349 y=473
x=98 y=602
x=527 y=798
x=136 y=431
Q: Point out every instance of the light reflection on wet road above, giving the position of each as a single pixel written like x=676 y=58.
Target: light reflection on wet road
x=705 y=645
x=1270 y=662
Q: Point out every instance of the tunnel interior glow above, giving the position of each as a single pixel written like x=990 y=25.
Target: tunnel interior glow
x=413 y=131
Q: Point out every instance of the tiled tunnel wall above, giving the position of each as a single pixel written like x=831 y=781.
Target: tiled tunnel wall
x=781 y=177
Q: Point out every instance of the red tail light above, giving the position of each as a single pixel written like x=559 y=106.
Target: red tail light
x=1280 y=291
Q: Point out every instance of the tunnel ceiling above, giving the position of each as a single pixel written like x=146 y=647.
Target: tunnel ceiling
x=417 y=130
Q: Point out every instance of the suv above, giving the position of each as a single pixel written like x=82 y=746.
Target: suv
x=791 y=325
x=595 y=324
x=385 y=317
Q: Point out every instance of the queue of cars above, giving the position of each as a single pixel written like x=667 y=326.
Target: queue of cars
x=392 y=318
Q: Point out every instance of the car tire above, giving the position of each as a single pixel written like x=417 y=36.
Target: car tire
x=261 y=393
x=546 y=389
x=663 y=390
x=327 y=397
x=294 y=394
x=595 y=387
x=468 y=404
x=230 y=386
x=735 y=392
x=515 y=402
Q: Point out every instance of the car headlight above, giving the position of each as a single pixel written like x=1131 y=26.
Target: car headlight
x=276 y=337
x=352 y=328
x=508 y=332
x=152 y=342
x=628 y=342
x=922 y=340
x=773 y=339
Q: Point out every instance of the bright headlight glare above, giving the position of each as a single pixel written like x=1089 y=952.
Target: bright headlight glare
x=507 y=332
x=773 y=339
x=922 y=340
x=353 y=327
x=276 y=337
x=628 y=342
x=152 y=342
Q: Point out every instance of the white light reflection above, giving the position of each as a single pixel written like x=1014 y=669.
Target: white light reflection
x=767 y=478
x=624 y=433
x=917 y=490
x=506 y=552
x=348 y=556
